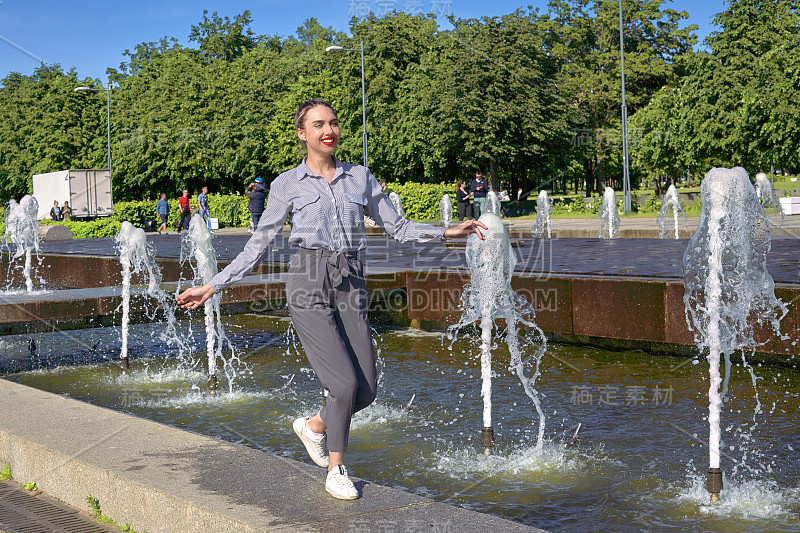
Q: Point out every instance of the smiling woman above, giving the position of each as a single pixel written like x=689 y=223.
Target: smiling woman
x=325 y=285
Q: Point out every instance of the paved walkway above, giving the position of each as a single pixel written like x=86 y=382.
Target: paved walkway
x=162 y=479
x=592 y=256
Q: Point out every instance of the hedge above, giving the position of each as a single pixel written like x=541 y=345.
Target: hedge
x=421 y=200
x=101 y=227
x=230 y=209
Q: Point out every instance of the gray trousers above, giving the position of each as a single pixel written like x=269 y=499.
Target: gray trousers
x=327 y=299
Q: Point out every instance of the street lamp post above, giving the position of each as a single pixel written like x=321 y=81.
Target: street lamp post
x=626 y=180
x=108 y=115
x=363 y=92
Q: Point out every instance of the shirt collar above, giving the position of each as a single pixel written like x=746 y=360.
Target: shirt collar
x=303 y=170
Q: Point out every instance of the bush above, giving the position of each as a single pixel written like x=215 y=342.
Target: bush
x=421 y=200
x=230 y=209
x=101 y=227
x=560 y=206
x=652 y=204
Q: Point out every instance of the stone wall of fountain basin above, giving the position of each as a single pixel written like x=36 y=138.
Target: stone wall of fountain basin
x=610 y=312
x=82 y=271
x=607 y=311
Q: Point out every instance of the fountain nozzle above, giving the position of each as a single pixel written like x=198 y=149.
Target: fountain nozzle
x=123 y=363
x=212 y=384
x=487 y=440
x=714 y=483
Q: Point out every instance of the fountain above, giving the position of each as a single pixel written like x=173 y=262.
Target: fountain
x=767 y=195
x=197 y=248
x=22 y=229
x=489 y=296
x=446 y=210
x=137 y=256
x=397 y=203
x=727 y=288
x=671 y=199
x=609 y=217
x=493 y=203
x=541 y=228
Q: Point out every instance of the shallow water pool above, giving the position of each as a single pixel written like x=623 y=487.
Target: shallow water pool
x=640 y=465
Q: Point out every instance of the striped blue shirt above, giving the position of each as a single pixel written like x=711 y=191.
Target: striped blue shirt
x=324 y=216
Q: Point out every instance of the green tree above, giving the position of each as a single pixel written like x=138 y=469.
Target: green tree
x=221 y=38
x=584 y=40
x=46 y=126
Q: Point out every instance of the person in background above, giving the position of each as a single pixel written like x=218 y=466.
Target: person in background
x=385 y=188
x=162 y=210
x=186 y=211
x=503 y=195
x=463 y=202
x=479 y=189
x=257 y=193
x=519 y=194
x=55 y=212
x=202 y=204
x=66 y=212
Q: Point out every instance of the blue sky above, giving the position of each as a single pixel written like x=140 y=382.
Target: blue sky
x=92 y=36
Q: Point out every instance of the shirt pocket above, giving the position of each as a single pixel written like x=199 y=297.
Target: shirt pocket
x=354 y=208
x=307 y=207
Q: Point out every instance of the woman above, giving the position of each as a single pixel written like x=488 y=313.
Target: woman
x=55 y=212
x=325 y=286
x=66 y=212
x=462 y=201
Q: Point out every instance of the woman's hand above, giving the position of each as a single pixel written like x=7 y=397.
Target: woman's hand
x=465 y=229
x=194 y=297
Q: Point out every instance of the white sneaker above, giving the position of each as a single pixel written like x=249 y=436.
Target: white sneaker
x=318 y=451
x=339 y=485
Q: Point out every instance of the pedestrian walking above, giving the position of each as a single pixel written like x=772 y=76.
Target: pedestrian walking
x=162 y=210
x=463 y=201
x=186 y=211
x=479 y=188
x=257 y=193
x=202 y=205
x=325 y=287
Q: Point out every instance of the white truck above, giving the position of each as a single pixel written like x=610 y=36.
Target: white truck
x=88 y=192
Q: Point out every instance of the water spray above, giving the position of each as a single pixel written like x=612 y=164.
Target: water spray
x=397 y=203
x=727 y=287
x=671 y=200
x=446 y=211
x=489 y=296
x=196 y=246
x=493 y=203
x=541 y=228
x=137 y=256
x=608 y=215
x=22 y=229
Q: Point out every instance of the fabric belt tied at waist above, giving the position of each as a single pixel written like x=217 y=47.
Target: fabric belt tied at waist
x=338 y=264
